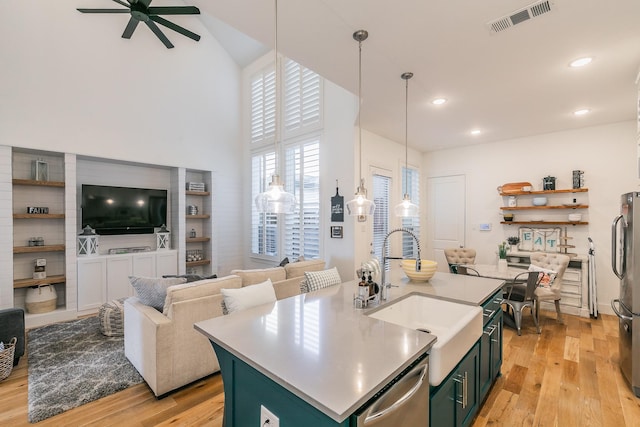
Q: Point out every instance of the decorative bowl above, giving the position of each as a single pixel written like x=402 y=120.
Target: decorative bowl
x=508 y=216
x=427 y=271
x=539 y=201
x=575 y=217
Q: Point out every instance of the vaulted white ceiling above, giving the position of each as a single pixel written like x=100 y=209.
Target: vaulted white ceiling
x=509 y=84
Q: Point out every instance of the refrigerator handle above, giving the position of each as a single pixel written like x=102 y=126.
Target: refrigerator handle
x=617 y=312
x=614 y=248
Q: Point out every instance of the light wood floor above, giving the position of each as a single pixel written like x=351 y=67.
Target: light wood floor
x=567 y=376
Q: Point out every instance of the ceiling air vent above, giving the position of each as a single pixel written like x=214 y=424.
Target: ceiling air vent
x=519 y=16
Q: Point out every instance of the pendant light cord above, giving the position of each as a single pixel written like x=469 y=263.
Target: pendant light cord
x=406 y=133
x=360 y=108
x=276 y=76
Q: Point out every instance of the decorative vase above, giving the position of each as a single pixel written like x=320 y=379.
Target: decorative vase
x=502 y=265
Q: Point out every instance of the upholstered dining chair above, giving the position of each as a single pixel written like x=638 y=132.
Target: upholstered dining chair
x=557 y=263
x=457 y=256
x=518 y=295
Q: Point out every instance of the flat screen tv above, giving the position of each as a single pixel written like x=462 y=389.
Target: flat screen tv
x=123 y=210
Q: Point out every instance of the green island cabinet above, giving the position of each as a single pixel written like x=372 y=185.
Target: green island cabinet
x=453 y=403
x=456 y=400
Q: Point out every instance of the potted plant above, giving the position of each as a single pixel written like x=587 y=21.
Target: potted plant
x=502 y=256
x=513 y=241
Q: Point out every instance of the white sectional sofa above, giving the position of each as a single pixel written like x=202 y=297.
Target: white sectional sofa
x=165 y=348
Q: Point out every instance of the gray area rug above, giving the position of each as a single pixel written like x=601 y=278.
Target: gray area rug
x=71 y=364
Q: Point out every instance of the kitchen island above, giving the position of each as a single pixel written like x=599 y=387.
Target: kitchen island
x=316 y=357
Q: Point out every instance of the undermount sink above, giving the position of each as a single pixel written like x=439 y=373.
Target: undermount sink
x=457 y=326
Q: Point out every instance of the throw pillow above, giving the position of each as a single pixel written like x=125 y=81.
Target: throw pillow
x=152 y=291
x=284 y=262
x=546 y=276
x=321 y=279
x=247 y=297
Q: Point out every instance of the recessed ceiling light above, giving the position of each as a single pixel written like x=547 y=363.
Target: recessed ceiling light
x=439 y=101
x=581 y=112
x=476 y=132
x=580 y=62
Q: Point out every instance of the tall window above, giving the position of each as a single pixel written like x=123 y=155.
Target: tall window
x=381 y=193
x=411 y=181
x=302 y=228
x=297 y=234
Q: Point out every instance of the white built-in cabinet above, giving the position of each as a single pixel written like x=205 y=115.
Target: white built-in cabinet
x=84 y=283
x=104 y=278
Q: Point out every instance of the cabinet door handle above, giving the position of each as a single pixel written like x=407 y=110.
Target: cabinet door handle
x=488 y=313
x=489 y=331
x=463 y=380
x=497 y=328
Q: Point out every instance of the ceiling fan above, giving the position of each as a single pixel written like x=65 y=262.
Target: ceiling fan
x=141 y=11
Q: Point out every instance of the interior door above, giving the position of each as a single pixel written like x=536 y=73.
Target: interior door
x=446 y=223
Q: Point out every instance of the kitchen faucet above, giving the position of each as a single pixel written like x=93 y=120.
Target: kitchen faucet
x=385 y=286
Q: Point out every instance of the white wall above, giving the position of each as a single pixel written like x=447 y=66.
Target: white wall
x=70 y=83
x=607 y=154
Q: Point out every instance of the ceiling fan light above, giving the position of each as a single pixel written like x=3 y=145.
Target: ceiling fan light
x=407 y=209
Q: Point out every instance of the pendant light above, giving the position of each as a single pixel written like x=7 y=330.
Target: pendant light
x=406 y=209
x=360 y=205
x=276 y=199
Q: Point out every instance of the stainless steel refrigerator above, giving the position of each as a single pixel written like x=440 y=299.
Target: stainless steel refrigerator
x=625 y=248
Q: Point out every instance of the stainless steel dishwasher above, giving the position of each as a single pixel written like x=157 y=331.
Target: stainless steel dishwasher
x=403 y=402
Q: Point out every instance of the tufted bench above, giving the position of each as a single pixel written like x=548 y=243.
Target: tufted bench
x=111 y=316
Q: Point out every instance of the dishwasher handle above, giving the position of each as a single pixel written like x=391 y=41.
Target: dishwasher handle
x=424 y=368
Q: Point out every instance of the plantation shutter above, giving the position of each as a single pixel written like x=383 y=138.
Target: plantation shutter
x=302 y=95
x=263 y=104
x=264 y=227
x=381 y=186
x=302 y=228
x=409 y=249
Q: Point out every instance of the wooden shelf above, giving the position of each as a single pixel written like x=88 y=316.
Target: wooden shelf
x=197 y=239
x=26 y=283
x=197 y=263
x=35 y=249
x=526 y=208
x=526 y=193
x=545 y=222
x=197 y=193
x=203 y=216
x=36 y=216
x=38 y=183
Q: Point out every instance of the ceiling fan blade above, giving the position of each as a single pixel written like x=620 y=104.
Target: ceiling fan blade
x=131 y=26
x=153 y=27
x=122 y=3
x=175 y=27
x=104 y=10
x=174 y=10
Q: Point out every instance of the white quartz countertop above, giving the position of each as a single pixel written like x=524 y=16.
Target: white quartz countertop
x=325 y=351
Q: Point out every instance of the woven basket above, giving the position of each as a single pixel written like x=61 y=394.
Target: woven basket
x=6 y=358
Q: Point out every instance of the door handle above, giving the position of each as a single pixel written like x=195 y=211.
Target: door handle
x=464 y=381
x=408 y=395
x=614 y=248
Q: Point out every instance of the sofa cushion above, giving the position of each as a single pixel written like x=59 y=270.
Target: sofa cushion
x=297 y=269
x=314 y=280
x=247 y=296
x=259 y=275
x=199 y=289
x=152 y=291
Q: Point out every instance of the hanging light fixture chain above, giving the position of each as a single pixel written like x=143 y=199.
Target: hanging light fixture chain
x=277 y=94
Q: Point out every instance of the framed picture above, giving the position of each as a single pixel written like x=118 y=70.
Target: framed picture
x=539 y=239
x=336 y=232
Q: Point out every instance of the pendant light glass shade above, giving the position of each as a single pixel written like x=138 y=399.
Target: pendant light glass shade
x=406 y=209
x=360 y=205
x=276 y=199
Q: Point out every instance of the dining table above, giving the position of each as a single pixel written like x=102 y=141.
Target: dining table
x=508 y=275
x=492 y=271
